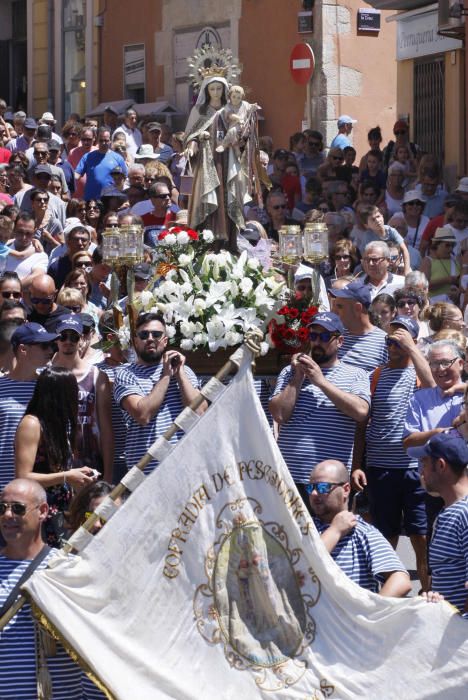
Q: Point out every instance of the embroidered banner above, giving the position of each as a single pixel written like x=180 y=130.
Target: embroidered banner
x=211 y=582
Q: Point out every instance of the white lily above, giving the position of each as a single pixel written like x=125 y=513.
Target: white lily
x=216 y=292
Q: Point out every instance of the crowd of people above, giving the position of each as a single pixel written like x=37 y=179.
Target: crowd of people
x=375 y=405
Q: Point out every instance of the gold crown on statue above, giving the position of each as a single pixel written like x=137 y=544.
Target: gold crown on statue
x=211 y=61
x=218 y=71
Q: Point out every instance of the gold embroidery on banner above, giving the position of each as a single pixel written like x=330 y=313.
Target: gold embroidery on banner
x=44 y=621
x=252 y=601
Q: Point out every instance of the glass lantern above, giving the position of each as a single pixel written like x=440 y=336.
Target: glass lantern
x=131 y=244
x=110 y=246
x=315 y=242
x=290 y=244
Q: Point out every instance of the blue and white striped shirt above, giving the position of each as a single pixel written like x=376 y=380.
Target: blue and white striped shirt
x=384 y=439
x=138 y=379
x=14 y=397
x=364 y=555
x=119 y=427
x=365 y=351
x=448 y=553
x=317 y=430
x=17 y=649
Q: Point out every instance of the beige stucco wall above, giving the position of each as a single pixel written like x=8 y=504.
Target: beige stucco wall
x=358 y=73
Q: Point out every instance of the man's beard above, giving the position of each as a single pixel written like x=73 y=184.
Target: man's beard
x=319 y=356
x=151 y=356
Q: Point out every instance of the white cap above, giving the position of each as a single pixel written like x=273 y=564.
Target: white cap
x=70 y=224
x=48 y=117
x=462 y=185
x=413 y=195
x=303 y=272
x=346 y=119
x=146 y=151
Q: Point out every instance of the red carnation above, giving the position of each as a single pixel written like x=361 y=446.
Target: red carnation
x=303 y=334
x=162 y=235
x=293 y=313
x=192 y=234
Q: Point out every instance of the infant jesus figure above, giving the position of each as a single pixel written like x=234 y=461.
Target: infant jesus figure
x=236 y=113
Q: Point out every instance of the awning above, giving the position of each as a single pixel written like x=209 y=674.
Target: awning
x=156 y=109
x=119 y=105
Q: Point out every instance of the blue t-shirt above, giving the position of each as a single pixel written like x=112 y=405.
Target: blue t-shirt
x=317 y=430
x=17 y=649
x=139 y=379
x=364 y=555
x=448 y=553
x=384 y=439
x=365 y=351
x=340 y=141
x=429 y=409
x=14 y=397
x=97 y=167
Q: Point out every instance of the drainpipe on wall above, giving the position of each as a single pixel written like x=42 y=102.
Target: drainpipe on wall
x=50 y=57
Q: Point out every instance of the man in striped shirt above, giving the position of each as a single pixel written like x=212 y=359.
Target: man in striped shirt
x=317 y=401
x=23 y=509
x=444 y=460
x=358 y=548
x=154 y=390
x=395 y=489
x=364 y=344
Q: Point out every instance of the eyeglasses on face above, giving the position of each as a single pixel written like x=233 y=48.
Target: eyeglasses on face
x=415 y=203
x=161 y=196
x=75 y=309
x=16 y=508
x=93 y=207
x=83 y=263
x=443 y=364
x=342 y=257
x=323 y=336
x=11 y=295
x=47 y=301
x=41 y=200
x=278 y=206
x=323 y=487
x=155 y=335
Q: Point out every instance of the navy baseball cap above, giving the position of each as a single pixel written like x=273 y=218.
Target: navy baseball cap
x=451 y=446
x=407 y=323
x=329 y=321
x=30 y=123
x=31 y=333
x=43 y=169
x=111 y=191
x=355 y=290
x=69 y=323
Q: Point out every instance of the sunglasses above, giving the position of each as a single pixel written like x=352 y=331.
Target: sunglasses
x=342 y=257
x=75 y=309
x=11 y=295
x=161 y=196
x=415 y=203
x=314 y=143
x=40 y=154
x=323 y=487
x=16 y=508
x=278 y=206
x=47 y=301
x=69 y=335
x=41 y=200
x=84 y=263
x=92 y=206
x=323 y=336
x=155 y=335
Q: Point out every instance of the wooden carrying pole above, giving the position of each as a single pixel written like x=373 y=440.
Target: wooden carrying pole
x=230 y=367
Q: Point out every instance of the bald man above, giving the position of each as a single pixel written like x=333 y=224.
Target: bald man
x=44 y=309
x=357 y=547
x=23 y=509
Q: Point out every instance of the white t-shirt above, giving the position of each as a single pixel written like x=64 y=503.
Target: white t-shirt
x=24 y=266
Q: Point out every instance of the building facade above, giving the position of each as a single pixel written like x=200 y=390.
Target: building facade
x=86 y=53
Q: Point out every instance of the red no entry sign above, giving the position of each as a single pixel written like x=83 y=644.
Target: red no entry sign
x=302 y=63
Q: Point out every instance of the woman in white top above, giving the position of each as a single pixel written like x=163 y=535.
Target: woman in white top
x=395 y=192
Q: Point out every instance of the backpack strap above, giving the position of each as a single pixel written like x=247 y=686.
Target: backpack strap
x=26 y=574
x=376 y=377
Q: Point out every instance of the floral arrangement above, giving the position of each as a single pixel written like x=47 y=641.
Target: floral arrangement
x=208 y=300
x=290 y=334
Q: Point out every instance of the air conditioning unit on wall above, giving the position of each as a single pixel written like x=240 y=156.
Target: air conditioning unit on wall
x=452 y=18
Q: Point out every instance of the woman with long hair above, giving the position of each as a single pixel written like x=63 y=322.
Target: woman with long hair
x=45 y=442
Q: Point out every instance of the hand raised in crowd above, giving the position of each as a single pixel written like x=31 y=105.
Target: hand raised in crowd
x=344 y=522
x=404 y=339
x=309 y=368
x=173 y=362
x=80 y=476
x=358 y=480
